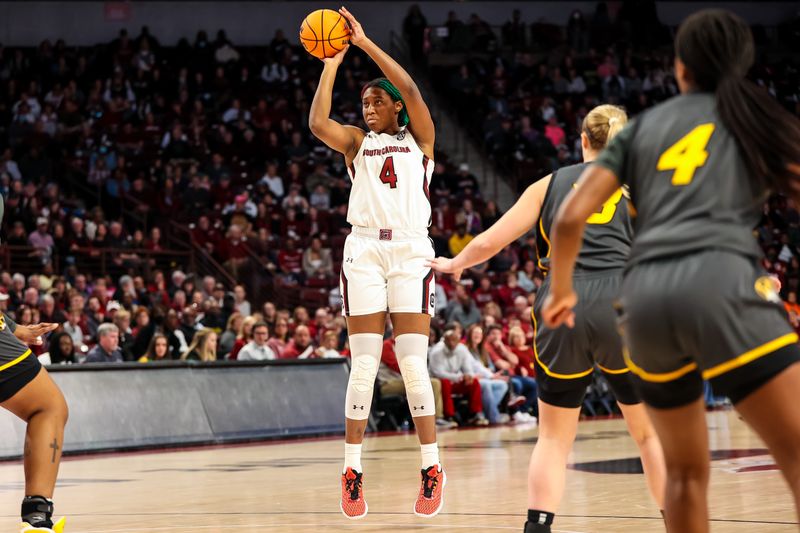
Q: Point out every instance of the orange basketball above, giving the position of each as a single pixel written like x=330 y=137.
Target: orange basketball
x=324 y=33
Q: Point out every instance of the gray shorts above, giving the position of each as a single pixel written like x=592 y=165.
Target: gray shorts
x=706 y=315
x=566 y=358
x=571 y=353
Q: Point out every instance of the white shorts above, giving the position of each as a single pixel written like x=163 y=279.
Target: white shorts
x=384 y=270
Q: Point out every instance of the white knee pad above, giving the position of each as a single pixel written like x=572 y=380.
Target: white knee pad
x=365 y=356
x=412 y=356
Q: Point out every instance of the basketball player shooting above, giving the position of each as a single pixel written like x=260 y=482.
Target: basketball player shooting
x=384 y=266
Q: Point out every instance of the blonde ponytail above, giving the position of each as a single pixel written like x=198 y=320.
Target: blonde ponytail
x=603 y=123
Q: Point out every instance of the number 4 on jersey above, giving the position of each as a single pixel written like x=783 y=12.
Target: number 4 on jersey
x=687 y=155
x=387 y=173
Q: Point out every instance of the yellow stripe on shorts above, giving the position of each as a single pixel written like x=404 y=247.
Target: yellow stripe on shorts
x=748 y=357
x=15 y=361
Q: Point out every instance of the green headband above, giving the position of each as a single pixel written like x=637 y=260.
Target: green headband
x=386 y=85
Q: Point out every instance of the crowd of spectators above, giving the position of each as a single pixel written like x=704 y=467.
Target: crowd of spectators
x=104 y=148
x=523 y=89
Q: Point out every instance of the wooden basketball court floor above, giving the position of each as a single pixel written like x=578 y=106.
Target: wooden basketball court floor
x=294 y=486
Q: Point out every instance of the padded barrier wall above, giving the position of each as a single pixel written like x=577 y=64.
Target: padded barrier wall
x=131 y=405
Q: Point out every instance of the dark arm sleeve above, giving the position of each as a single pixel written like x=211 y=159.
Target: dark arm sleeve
x=615 y=156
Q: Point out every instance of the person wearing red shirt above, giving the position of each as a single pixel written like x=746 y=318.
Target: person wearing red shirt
x=506 y=359
x=485 y=293
x=206 y=235
x=301 y=346
x=508 y=292
x=290 y=259
x=523 y=351
x=233 y=251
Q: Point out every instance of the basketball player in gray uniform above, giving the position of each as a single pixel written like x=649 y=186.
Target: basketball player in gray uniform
x=27 y=391
x=696 y=303
x=565 y=358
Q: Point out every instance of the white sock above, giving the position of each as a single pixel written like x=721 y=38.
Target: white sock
x=352 y=457
x=430 y=454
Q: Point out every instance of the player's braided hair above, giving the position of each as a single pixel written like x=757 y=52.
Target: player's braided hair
x=717 y=48
x=394 y=94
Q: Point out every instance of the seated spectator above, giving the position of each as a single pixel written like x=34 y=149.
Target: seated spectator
x=554 y=132
x=17 y=235
x=122 y=319
x=507 y=293
x=462 y=308
x=41 y=240
x=485 y=293
x=269 y=314
x=233 y=251
x=317 y=261
x=300 y=347
x=505 y=359
x=390 y=382
x=61 y=350
x=143 y=330
x=290 y=260
x=228 y=337
x=328 y=346
x=175 y=336
x=323 y=321
x=295 y=200
x=48 y=311
x=72 y=327
x=203 y=347
x=189 y=323
x=470 y=218
x=527 y=276
x=321 y=197
x=158 y=350
x=517 y=344
x=459 y=240
x=280 y=337
x=240 y=300
x=244 y=336
x=449 y=359
x=257 y=349
x=107 y=348
x=273 y=180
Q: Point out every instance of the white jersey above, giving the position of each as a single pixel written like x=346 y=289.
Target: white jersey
x=390 y=177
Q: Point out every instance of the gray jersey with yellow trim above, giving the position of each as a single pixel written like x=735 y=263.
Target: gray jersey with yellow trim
x=607 y=239
x=689 y=185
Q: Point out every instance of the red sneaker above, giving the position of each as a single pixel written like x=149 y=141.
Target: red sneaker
x=353 y=504
x=431 y=492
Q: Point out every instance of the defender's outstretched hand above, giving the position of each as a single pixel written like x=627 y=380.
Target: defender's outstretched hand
x=445 y=266
x=32 y=335
x=357 y=36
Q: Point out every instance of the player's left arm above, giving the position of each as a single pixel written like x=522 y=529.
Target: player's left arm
x=595 y=186
x=418 y=113
x=511 y=226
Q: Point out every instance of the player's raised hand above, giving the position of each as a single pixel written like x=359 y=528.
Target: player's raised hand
x=445 y=266
x=337 y=59
x=357 y=35
x=558 y=309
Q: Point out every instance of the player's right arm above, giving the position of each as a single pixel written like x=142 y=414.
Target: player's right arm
x=511 y=226
x=344 y=139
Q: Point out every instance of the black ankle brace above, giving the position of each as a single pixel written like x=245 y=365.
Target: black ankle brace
x=37 y=511
x=539 y=521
